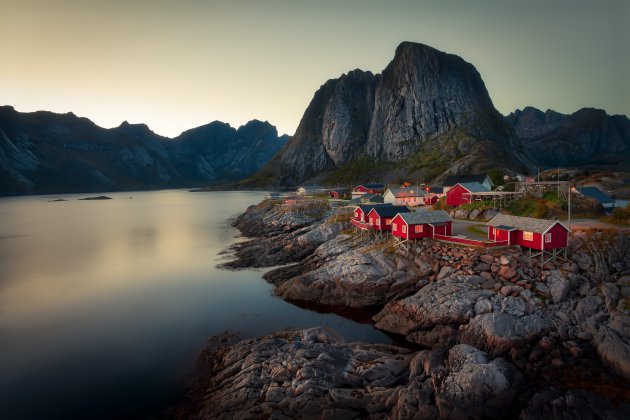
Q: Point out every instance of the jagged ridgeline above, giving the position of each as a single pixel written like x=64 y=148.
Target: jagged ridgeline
x=44 y=152
x=427 y=112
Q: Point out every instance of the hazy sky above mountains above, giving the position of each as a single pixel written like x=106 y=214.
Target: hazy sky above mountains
x=175 y=65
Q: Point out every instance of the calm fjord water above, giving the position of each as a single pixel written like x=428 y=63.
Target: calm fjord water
x=104 y=305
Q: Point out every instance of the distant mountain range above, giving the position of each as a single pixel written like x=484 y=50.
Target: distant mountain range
x=427 y=115
x=586 y=138
x=44 y=152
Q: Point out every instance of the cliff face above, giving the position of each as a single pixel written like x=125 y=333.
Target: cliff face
x=46 y=152
x=588 y=137
x=425 y=100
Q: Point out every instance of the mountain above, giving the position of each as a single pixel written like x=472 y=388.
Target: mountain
x=47 y=152
x=428 y=111
x=588 y=137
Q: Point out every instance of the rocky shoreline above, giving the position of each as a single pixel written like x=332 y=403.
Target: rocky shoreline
x=492 y=335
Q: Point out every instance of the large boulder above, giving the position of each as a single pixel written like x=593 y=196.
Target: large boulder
x=476 y=386
x=451 y=301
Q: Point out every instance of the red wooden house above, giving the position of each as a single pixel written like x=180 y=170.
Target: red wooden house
x=368 y=189
x=380 y=218
x=362 y=210
x=339 y=193
x=432 y=195
x=539 y=234
x=422 y=224
x=461 y=193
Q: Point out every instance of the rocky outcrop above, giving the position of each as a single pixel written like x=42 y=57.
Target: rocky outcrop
x=47 y=152
x=357 y=276
x=554 y=404
x=457 y=310
x=482 y=215
x=423 y=100
x=282 y=236
x=588 y=137
x=566 y=322
x=314 y=373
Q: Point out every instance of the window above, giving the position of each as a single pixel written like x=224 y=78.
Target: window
x=388 y=221
x=395 y=227
x=547 y=238
x=528 y=236
x=418 y=228
x=404 y=228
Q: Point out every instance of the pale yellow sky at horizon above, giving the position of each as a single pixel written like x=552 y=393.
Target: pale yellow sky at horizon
x=178 y=65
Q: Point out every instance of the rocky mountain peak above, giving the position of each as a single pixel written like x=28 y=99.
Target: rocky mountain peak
x=424 y=98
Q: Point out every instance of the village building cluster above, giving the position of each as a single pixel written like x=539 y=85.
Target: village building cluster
x=405 y=214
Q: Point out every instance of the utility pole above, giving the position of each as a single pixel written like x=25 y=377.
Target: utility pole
x=558 y=180
x=569 y=207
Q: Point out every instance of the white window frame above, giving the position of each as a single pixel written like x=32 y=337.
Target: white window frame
x=528 y=236
x=547 y=238
x=419 y=228
x=404 y=228
x=394 y=227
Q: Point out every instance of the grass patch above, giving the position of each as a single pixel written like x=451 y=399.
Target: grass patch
x=477 y=229
x=619 y=216
x=354 y=171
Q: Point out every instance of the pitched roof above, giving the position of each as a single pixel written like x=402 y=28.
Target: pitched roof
x=458 y=179
x=436 y=190
x=393 y=190
x=367 y=207
x=390 y=211
x=366 y=198
x=410 y=192
x=528 y=224
x=421 y=217
x=473 y=187
x=597 y=194
x=372 y=186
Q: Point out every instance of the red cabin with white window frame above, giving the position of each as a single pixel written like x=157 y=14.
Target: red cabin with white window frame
x=461 y=193
x=380 y=218
x=368 y=189
x=361 y=211
x=539 y=234
x=422 y=224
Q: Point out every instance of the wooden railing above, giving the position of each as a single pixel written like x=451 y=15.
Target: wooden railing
x=360 y=225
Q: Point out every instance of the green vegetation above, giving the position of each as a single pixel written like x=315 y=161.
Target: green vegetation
x=619 y=216
x=441 y=204
x=529 y=207
x=496 y=175
x=475 y=205
x=477 y=229
x=549 y=206
x=434 y=160
x=354 y=171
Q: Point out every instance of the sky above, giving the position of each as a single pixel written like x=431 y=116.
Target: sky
x=175 y=65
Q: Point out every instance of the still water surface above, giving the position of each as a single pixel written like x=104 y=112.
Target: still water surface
x=105 y=305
